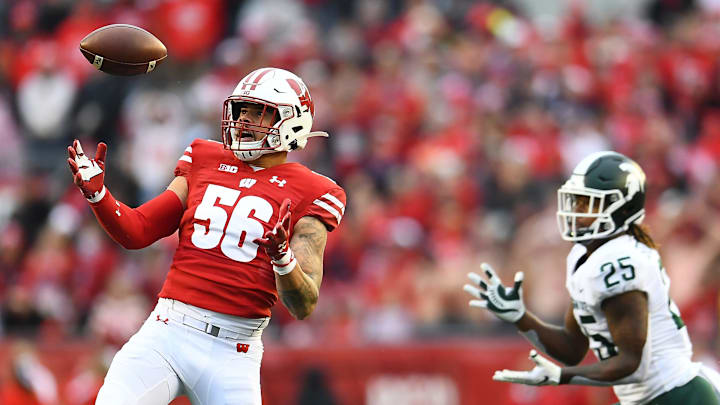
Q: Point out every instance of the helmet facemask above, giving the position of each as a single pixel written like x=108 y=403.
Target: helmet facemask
x=601 y=205
x=239 y=134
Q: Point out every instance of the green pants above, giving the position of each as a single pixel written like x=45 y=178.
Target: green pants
x=697 y=392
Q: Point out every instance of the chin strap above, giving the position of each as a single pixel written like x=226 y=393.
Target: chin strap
x=253 y=152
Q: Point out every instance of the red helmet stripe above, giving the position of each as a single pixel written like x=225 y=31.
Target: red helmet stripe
x=260 y=76
x=255 y=82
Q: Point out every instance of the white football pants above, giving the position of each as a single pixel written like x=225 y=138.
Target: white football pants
x=181 y=349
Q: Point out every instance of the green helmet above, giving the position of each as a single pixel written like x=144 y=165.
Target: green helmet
x=615 y=188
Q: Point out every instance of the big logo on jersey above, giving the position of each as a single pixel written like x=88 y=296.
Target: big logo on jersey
x=235 y=236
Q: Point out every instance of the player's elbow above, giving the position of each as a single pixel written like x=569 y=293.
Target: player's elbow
x=573 y=359
x=630 y=369
x=132 y=244
x=304 y=312
x=574 y=352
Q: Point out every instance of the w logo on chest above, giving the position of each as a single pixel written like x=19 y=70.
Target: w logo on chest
x=247 y=182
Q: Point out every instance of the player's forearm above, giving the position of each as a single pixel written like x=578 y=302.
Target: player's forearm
x=552 y=339
x=298 y=292
x=614 y=371
x=136 y=228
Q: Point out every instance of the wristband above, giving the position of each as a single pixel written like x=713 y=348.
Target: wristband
x=97 y=196
x=284 y=264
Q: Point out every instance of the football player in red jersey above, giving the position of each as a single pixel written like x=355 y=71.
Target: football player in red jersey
x=252 y=227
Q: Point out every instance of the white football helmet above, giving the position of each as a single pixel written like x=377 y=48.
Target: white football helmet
x=281 y=93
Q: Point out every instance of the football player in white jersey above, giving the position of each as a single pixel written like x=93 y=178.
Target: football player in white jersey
x=620 y=306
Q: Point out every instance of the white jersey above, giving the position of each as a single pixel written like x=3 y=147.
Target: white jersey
x=623 y=264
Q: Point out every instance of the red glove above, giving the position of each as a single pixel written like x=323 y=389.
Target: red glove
x=88 y=174
x=276 y=242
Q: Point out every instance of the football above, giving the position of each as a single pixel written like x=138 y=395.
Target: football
x=123 y=49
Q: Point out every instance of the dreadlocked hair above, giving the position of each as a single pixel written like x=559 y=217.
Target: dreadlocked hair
x=642 y=235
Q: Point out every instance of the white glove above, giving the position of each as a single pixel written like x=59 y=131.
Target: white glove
x=505 y=302
x=545 y=373
x=88 y=174
x=88 y=168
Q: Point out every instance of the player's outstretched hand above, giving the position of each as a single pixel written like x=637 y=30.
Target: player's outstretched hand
x=545 y=373
x=88 y=174
x=276 y=241
x=505 y=302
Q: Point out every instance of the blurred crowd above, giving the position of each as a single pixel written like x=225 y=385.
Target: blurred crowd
x=452 y=125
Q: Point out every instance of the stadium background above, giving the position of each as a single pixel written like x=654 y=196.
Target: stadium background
x=452 y=124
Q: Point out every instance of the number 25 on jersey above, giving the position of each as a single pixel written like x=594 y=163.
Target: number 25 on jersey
x=240 y=227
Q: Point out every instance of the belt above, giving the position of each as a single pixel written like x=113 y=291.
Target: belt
x=210 y=329
x=178 y=314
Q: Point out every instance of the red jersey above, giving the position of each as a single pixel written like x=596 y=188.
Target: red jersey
x=217 y=265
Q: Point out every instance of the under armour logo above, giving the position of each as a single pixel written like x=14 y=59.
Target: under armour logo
x=243 y=347
x=117 y=211
x=247 y=183
x=165 y=321
x=280 y=183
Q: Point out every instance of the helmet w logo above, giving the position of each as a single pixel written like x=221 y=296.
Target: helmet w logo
x=303 y=95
